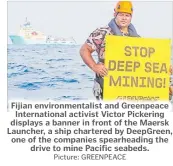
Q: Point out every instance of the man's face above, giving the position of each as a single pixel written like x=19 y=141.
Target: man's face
x=123 y=19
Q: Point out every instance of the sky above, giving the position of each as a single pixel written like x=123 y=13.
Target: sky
x=79 y=19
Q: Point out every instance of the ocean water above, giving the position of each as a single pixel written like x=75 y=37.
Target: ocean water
x=45 y=72
x=42 y=72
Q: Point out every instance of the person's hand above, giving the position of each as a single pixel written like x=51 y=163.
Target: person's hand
x=171 y=70
x=100 y=69
x=171 y=87
x=171 y=90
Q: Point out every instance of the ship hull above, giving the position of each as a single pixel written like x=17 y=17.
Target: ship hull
x=17 y=39
x=20 y=40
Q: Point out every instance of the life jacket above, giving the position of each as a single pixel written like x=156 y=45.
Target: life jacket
x=116 y=31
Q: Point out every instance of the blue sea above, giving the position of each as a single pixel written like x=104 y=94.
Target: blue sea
x=44 y=72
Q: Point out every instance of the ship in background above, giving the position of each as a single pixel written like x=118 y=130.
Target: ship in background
x=27 y=35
